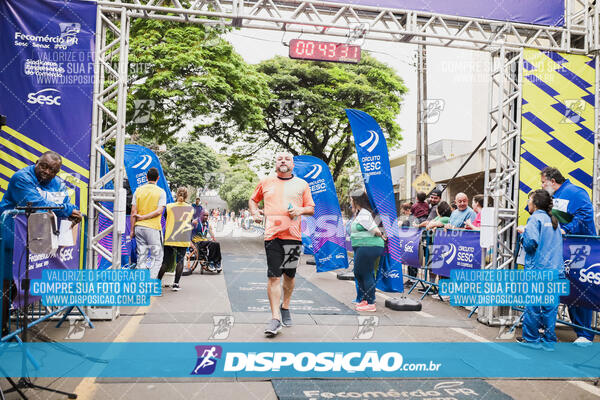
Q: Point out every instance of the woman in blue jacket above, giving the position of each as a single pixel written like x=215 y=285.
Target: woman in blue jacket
x=541 y=239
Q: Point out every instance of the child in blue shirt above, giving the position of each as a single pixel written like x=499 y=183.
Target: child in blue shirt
x=541 y=239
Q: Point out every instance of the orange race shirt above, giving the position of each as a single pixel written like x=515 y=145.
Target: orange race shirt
x=278 y=194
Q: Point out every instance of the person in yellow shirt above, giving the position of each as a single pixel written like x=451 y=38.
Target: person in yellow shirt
x=286 y=198
x=178 y=232
x=147 y=206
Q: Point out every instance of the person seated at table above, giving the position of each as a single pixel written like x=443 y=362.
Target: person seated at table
x=201 y=231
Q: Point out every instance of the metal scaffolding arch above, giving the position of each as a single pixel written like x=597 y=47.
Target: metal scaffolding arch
x=503 y=40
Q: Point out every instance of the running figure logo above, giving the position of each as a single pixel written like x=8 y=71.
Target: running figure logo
x=366 y=327
x=207 y=359
x=291 y=256
x=222 y=326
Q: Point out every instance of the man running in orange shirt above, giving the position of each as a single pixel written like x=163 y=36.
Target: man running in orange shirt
x=286 y=198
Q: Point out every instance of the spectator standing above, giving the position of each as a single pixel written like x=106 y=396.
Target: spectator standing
x=147 y=206
x=197 y=208
x=462 y=213
x=420 y=210
x=434 y=199
x=407 y=220
x=368 y=242
x=477 y=207
x=443 y=212
x=542 y=241
x=574 y=211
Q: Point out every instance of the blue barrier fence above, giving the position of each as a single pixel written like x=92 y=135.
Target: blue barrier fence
x=445 y=250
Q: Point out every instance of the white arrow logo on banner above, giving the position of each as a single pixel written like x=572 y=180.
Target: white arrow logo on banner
x=144 y=163
x=374 y=138
x=314 y=172
x=451 y=252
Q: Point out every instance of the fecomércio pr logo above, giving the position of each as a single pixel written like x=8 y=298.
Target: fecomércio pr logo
x=207 y=359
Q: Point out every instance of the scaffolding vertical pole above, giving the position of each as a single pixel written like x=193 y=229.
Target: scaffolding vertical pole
x=503 y=146
x=108 y=128
x=119 y=206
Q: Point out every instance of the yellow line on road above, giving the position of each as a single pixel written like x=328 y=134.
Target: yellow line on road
x=87 y=387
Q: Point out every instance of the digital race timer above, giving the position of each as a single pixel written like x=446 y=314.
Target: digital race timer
x=324 y=51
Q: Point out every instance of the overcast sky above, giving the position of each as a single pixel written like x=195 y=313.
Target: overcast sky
x=450 y=78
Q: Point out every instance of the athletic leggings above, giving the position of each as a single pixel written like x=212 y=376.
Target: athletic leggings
x=364 y=264
x=179 y=253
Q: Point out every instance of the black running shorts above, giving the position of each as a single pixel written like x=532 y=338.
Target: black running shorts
x=282 y=257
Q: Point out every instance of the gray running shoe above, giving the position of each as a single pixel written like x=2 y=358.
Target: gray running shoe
x=286 y=317
x=273 y=328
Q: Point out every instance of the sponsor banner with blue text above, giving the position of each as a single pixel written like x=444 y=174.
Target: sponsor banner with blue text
x=46 y=82
x=306 y=360
x=454 y=249
x=373 y=158
x=138 y=160
x=325 y=227
x=410 y=243
x=582 y=268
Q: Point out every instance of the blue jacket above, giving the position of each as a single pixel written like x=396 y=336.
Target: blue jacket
x=542 y=243
x=24 y=187
x=574 y=210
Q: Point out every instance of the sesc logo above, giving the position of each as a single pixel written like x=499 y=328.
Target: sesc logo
x=66 y=254
x=590 y=275
x=372 y=141
x=144 y=163
x=47 y=97
x=207 y=359
x=391 y=274
x=314 y=172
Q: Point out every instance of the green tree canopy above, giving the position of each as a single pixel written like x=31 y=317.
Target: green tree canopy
x=238 y=185
x=307 y=114
x=184 y=73
x=190 y=164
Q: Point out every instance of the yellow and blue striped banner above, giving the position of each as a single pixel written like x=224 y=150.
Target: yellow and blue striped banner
x=558 y=120
x=18 y=151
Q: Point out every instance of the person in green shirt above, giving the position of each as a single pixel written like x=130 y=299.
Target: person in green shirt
x=443 y=211
x=368 y=243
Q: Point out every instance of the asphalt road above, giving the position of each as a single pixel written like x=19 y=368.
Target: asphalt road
x=192 y=314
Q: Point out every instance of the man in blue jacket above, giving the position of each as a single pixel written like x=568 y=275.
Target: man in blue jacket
x=37 y=184
x=575 y=212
